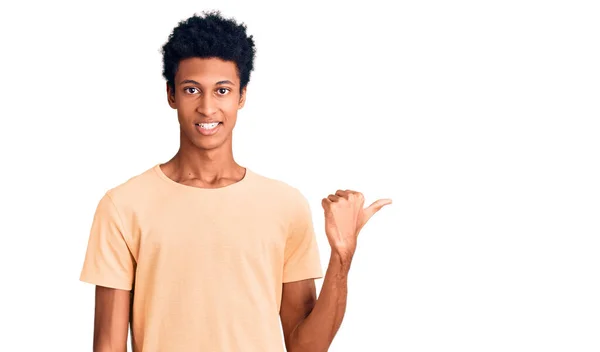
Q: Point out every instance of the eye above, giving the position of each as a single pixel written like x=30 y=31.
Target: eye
x=223 y=91
x=191 y=90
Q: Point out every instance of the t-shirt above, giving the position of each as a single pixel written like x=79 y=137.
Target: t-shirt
x=205 y=265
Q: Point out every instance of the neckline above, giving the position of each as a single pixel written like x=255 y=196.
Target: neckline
x=235 y=185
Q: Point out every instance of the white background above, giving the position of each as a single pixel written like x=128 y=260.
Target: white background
x=478 y=118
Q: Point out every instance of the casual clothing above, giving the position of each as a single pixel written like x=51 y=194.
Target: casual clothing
x=205 y=265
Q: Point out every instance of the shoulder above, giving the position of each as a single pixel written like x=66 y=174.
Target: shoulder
x=279 y=190
x=287 y=199
x=134 y=189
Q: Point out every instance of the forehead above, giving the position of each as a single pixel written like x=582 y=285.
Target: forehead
x=206 y=71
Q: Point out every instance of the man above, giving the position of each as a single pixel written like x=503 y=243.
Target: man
x=202 y=254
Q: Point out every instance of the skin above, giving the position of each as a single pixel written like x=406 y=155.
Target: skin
x=314 y=323
x=111 y=319
x=209 y=90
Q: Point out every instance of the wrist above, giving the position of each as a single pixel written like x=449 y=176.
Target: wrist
x=341 y=256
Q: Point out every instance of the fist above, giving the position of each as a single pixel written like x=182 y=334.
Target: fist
x=345 y=217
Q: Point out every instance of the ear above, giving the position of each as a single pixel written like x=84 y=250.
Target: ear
x=171 y=96
x=242 y=98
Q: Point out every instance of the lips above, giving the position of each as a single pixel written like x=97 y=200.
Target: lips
x=208 y=128
x=208 y=125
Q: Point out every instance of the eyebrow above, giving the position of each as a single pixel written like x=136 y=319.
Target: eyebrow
x=191 y=81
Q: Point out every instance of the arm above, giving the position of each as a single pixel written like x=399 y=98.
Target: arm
x=309 y=325
x=110 y=266
x=111 y=319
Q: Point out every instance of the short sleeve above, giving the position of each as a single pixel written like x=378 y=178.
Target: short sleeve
x=108 y=260
x=302 y=260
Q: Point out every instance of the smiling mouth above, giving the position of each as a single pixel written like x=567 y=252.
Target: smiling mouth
x=208 y=129
x=208 y=126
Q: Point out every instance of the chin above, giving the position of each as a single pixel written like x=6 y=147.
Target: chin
x=208 y=144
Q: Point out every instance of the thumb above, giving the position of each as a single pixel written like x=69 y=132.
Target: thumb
x=374 y=208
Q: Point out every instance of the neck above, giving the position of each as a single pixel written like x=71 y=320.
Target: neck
x=208 y=166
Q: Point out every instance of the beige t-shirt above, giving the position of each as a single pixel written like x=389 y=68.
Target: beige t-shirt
x=206 y=266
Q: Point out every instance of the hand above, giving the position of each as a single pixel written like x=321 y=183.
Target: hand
x=345 y=217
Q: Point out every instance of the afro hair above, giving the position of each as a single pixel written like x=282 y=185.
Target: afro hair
x=209 y=36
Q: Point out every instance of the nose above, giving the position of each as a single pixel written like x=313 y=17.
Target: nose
x=207 y=105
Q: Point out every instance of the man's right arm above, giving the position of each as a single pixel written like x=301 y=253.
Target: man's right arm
x=111 y=320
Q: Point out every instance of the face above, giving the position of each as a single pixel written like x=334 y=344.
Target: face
x=207 y=98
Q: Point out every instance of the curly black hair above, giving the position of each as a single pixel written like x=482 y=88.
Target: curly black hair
x=208 y=37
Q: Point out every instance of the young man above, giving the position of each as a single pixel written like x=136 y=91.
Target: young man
x=202 y=254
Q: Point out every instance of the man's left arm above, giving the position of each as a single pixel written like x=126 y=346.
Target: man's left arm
x=310 y=324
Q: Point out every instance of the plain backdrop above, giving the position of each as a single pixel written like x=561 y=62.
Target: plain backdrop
x=479 y=119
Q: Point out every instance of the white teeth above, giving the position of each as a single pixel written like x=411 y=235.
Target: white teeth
x=208 y=126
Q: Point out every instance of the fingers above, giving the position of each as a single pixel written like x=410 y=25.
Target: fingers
x=348 y=194
x=355 y=196
x=376 y=206
x=333 y=197
x=372 y=209
x=343 y=193
x=326 y=202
